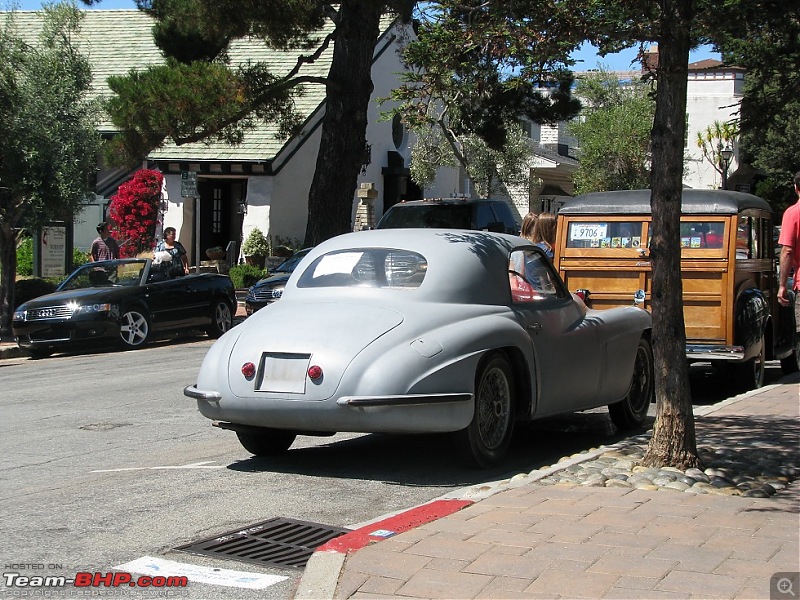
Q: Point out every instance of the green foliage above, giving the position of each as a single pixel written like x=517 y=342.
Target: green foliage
x=475 y=73
x=25 y=257
x=256 y=243
x=717 y=137
x=28 y=289
x=614 y=135
x=284 y=246
x=48 y=138
x=79 y=258
x=243 y=276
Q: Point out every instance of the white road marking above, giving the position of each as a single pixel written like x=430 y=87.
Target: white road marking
x=148 y=565
x=199 y=465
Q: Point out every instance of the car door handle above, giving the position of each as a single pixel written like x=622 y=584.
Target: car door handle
x=535 y=327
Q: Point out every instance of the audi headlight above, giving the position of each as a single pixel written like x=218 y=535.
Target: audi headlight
x=94 y=308
x=19 y=315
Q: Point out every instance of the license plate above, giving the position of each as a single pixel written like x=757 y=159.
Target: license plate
x=283 y=373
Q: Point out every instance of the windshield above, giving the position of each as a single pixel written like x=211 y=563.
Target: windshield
x=290 y=264
x=366 y=267
x=112 y=273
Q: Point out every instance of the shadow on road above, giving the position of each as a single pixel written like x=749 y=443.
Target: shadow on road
x=434 y=459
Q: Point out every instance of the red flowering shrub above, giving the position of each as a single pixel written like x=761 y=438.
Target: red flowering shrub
x=134 y=210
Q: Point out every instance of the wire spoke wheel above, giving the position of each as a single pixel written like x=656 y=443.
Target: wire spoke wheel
x=487 y=438
x=494 y=407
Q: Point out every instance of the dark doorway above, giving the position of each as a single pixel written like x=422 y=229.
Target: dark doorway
x=220 y=212
x=397 y=183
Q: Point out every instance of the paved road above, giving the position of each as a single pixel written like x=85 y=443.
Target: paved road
x=105 y=461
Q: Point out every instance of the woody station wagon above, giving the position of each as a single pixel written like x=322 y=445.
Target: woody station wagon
x=728 y=270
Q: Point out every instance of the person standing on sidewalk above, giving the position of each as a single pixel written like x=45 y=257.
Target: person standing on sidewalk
x=104 y=247
x=790 y=252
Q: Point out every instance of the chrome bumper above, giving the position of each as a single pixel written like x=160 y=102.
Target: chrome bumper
x=709 y=352
x=406 y=400
x=193 y=392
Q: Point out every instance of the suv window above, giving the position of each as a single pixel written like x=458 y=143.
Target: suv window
x=462 y=214
x=456 y=216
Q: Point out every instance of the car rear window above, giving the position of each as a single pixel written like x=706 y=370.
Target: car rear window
x=366 y=267
x=448 y=216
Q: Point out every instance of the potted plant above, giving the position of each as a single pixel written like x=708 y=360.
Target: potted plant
x=255 y=248
x=216 y=253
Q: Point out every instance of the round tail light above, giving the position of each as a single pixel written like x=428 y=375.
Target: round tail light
x=314 y=372
x=248 y=370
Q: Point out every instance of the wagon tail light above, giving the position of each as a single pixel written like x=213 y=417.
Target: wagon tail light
x=583 y=294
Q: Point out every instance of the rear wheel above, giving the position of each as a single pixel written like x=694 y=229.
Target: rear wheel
x=266 y=441
x=221 y=319
x=631 y=412
x=487 y=438
x=749 y=375
x=134 y=328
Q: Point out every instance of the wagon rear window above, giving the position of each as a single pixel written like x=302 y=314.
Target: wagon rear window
x=602 y=234
x=366 y=267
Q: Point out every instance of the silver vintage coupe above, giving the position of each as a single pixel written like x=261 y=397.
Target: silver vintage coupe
x=424 y=330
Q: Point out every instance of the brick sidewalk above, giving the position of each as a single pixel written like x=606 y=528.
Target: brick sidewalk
x=576 y=542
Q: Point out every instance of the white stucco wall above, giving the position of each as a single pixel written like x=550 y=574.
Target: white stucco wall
x=711 y=96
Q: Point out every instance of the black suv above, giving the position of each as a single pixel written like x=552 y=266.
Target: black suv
x=451 y=213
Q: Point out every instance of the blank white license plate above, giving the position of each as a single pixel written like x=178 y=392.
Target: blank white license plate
x=284 y=373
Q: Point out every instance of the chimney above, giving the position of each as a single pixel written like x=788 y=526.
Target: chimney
x=650 y=61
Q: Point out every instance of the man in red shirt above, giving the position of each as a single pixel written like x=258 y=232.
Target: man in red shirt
x=790 y=252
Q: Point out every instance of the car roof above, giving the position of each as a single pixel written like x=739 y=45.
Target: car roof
x=463 y=265
x=638 y=202
x=447 y=201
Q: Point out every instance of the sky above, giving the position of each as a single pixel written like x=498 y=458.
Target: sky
x=587 y=55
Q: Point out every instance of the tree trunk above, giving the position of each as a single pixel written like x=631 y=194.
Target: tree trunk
x=673 y=442
x=8 y=272
x=343 y=144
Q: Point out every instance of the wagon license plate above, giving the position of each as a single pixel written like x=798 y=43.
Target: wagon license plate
x=284 y=373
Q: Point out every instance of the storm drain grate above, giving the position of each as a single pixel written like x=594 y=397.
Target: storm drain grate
x=279 y=541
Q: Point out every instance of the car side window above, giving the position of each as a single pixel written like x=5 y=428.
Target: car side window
x=531 y=277
x=743 y=237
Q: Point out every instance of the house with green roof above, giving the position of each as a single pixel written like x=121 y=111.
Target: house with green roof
x=262 y=182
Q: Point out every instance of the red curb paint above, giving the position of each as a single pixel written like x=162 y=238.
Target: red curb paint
x=357 y=539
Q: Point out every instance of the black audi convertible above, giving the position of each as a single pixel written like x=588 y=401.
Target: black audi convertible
x=128 y=300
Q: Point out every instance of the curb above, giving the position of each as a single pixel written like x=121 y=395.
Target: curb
x=11 y=351
x=321 y=575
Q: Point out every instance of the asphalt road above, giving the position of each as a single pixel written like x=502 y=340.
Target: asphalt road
x=104 y=461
